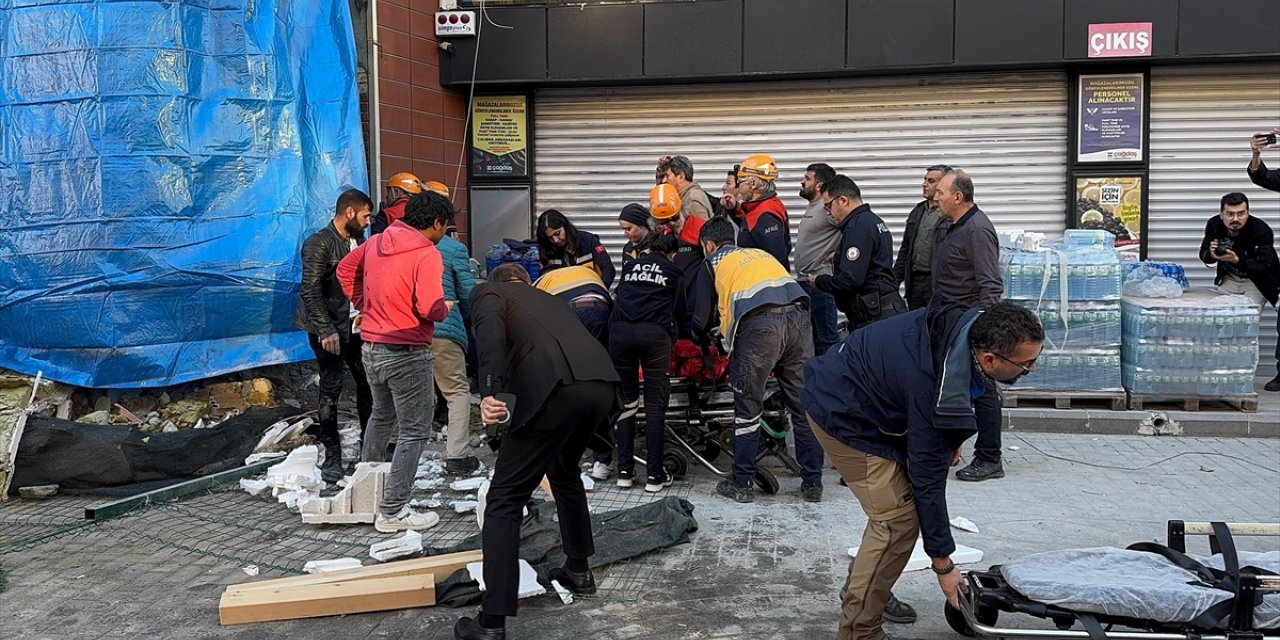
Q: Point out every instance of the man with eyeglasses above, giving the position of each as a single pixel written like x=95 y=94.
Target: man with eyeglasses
x=899 y=395
x=1243 y=247
x=862 y=279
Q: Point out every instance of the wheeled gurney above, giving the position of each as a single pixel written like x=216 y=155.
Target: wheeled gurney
x=1145 y=592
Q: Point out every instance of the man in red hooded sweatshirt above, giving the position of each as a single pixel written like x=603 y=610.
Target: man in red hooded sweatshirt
x=759 y=213
x=396 y=282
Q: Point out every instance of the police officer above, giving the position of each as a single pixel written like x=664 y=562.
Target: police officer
x=862 y=278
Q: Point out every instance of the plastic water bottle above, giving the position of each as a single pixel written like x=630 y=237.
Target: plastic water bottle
x=532 y=263
x=494 y=257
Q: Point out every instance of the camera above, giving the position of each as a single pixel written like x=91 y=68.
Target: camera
x=1224 y=245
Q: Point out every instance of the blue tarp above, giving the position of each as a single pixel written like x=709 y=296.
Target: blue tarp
x=160 y=165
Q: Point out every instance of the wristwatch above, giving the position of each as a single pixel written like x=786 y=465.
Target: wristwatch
x=951 y=566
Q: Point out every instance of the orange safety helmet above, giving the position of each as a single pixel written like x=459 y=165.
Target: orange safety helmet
x=758 y=166
x=436 y=187
x=406 y=182
x=664 y=202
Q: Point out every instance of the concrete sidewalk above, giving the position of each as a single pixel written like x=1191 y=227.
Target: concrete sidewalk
x=768 y=570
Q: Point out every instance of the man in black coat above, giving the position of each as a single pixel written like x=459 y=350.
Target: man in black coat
x=327 y=316
x=532 y=346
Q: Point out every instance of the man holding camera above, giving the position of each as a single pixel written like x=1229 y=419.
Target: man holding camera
x=1244 y=249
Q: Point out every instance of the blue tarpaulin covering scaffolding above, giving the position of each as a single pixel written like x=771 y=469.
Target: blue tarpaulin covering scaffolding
x=160 y=165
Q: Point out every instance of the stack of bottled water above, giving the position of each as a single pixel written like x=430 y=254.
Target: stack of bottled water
x=523 y=253
x=1202 y=344
x=1074 y=289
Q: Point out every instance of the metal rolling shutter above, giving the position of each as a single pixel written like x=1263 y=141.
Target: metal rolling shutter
x=595 y=149
x=1201 y=119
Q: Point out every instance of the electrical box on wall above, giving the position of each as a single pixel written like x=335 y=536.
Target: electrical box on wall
x=455 y=23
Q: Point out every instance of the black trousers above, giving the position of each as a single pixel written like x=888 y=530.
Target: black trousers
x=330 y=366
x=988 y=414
x=921 y=289
x=551 y=444
x=643 y=346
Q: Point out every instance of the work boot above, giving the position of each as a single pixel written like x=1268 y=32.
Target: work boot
x=1274 y=385
x=734 y=491
x=469 y=629
x=461 y=466
x=811 y=492
x=331 y=470
x=898 y=612
x=581 y=584
x=980 y=470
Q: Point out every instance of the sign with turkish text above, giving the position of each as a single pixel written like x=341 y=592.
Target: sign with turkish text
x=1109 y=118
x=1112 y=204
x=499 y=142
x=1120 y=40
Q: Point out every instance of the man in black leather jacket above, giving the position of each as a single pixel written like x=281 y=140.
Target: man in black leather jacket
x=327 y=316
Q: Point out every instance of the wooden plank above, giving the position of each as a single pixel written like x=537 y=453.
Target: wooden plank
x=107 y=510
x=1117 y=400
x=441 y=565
x=1245 y=403
x=328 y=599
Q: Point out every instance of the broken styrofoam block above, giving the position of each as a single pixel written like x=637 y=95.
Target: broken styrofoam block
x=482 y=499
x=566 y=596
x=250 y=569
x=468 y=484
x=428 y=484
x=357 y=502
x=528 y=579
x=964 y=524
x=432 y=503
x=408 y=544
x=920 y=560
x=266 y=455
x=464 y=506
x=290 y=499
x=299 y=470
x=589 y=484
x=325 y=566
x=282 y=431
x=1014 y=447
x=254 y=487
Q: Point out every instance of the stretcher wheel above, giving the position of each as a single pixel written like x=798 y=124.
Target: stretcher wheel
x=709 y=449
x=955 y=618
x=767 y=482
x=675 y=464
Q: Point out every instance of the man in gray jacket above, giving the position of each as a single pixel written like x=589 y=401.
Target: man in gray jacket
x=966 y=275
x=914 y=267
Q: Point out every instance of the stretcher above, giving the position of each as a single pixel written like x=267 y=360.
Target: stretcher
x=1145 y=592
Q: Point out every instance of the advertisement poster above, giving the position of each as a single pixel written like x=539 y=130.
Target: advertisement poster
x=1113 y=205
x=499 y=140
x=1109 y=127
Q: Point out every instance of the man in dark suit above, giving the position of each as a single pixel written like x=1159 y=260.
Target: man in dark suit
x=532 y=346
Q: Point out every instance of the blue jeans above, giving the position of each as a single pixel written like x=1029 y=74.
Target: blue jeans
x=822 y=314
x=403 y=391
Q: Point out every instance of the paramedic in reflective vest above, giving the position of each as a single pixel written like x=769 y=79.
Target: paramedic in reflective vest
x=761 y=216
x=764 y=322
x=667 y=208
x=891 y=406
x=862 y=277
x=560 y=244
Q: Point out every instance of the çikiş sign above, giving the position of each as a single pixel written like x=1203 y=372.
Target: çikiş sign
x=1120 y=40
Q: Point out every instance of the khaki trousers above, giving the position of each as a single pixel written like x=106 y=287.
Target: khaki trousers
x=882 y=488
x=450 y=371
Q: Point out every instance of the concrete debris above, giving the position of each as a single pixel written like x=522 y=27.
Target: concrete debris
x=406 y=545
x=170 y=427
x=356 y=503
x=251 y=570
x=281 y=432
x=1014 y=447
x=185 y=412
x=299 y=471
x=254 y=487
x=326 y=566
x=266 y=455
x=238 y=396
x=97 y=417
x=1206 y=469
x=103 y=403
x=920 y=560
x=165 y=399
x=290 y=402
x=469 y=484
x=129 y=415
x=465 y=506
x=528 y=579
x=566 y=596
x=964 y=524
x=39 y=492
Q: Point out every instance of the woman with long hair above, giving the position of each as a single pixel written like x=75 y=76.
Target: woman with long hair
x=561 y=244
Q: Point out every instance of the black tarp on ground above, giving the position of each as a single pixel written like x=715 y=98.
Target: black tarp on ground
x=117 y=460
x=619 y=535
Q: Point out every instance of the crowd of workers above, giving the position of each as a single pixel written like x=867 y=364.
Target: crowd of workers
x=566 y=363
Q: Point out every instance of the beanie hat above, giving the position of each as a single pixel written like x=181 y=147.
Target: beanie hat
x=635 y=214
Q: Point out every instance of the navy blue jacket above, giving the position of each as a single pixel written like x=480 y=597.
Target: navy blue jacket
x=897 y=390
x=863 y=262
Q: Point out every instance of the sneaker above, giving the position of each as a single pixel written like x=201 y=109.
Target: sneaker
x=980 y=470
x=899 y=612
x=1274 y=385
x=811 y=492
x=406 y=519
x=734 y=491
x=626 y=479
x=461 y=466
x=600 y=471
x=656 y=484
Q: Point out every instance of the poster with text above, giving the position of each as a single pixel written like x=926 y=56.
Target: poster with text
x=1109 y=126
x=1113 y=205
x=499 y=142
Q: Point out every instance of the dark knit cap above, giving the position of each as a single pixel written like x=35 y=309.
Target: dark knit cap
x=635 y=214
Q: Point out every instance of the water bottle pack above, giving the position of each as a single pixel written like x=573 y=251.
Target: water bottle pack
x=1166 y=269
x=1200 y=344
x=1073 y=369
x=1085 y=324
x=1091 y=274
x=513 y=251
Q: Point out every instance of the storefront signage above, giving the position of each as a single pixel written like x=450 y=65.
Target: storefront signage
x=1113 y=204
x=1109 y=118
x=1120 y=40
x=499 y=140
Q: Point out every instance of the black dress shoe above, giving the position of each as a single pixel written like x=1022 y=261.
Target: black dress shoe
x=469 y=629
x=1274 y=385
x=581 y=584
x=980 y=470
x=899 y=612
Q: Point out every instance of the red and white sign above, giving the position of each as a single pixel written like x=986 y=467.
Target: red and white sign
x=1120 y=40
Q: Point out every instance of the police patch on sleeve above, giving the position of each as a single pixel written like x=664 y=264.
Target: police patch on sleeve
x=852 y=254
